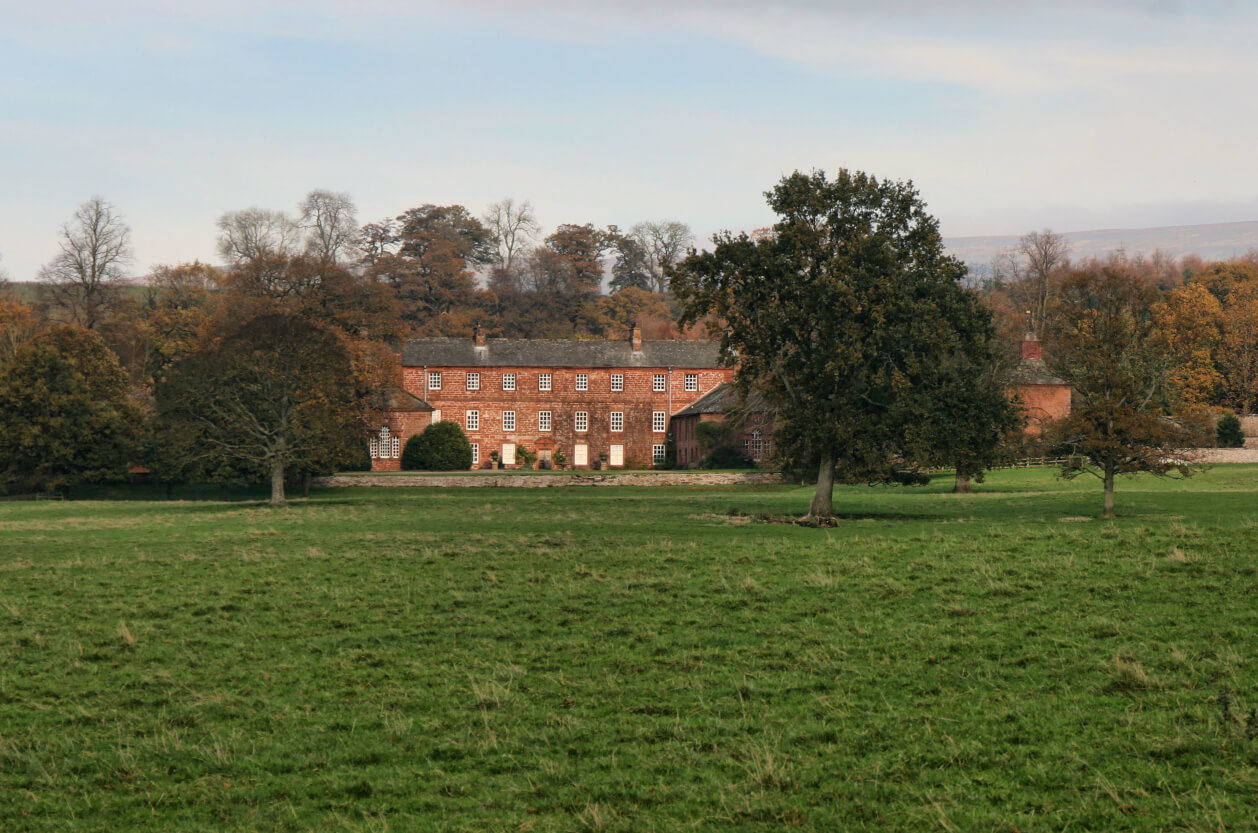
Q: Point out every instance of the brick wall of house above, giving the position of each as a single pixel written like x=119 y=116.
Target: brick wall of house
x=637 y=402
x=401 y=424
x=1043 y=404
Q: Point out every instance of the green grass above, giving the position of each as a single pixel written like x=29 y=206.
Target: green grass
x=635 y=659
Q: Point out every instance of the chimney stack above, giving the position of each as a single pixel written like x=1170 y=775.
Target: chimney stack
x=1031 y=347
x=635 y=337
x=478 y=336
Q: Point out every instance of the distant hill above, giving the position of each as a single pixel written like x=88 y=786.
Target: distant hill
x=1217 y=241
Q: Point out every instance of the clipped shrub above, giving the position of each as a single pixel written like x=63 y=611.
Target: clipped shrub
x=727 y=457
x=441 y=447
x=1229 y=431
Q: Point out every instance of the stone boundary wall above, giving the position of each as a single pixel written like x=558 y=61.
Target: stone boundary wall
x=642 y=478
x=1229 y=455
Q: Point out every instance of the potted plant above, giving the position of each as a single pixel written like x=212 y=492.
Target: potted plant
x=493 y=459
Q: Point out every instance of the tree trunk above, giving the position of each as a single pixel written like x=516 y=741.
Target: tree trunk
x=170 y=490
x=277 y=483
x=823 y=499
x=962 y=484
x=1109 y=491
x=305 y=484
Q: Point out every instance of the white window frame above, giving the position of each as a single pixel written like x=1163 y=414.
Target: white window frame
x=617 y=421
x=659 y=421
x=544 y=421
x=473 y=381
x=471 y=420
x=508 y=420
x=508 y=381
x=583 y=381
x=658 y=452
x=475 y=455
x=434 y=380
x=544 y=382
x=581 y=422
x=617 y=382
x=692 y=382
x=659 y=383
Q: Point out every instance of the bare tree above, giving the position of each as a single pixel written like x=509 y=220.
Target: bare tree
x=95 y=246
x=255 y=233
x=512 y=226
x=1044 y=254
x=331 y=223
x=663 y=243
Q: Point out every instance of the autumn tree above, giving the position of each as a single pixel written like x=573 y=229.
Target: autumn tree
x=1106 y=348
x=429 y=265
x=849 y=318
x=1238 y=348
x=18 y=325
x=621 y=310
x=1188 y=328
x=277 y=394
x=65 y=414
x=81 y=282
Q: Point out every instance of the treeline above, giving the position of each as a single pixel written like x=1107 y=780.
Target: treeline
x=278 y=363
x=1202 y=315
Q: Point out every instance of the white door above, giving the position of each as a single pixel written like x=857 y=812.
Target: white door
x=617 y=455
x=508 y=454
x=581 y=455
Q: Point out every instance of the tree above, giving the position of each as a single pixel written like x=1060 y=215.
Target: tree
x=331 y=224
x=1030 y=271
x=81 y=281
x=65 y=417
x=18 y=325
x=1238 y=350
x=256 y=234
x=1188 y=323
x=849 y=319
x=512 y=226
x=441 y=446
x=1228 y=431
x=276 y=395
x=1106 y=349
x=648 y=251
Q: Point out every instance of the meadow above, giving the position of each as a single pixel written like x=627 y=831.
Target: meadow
x=636 y=659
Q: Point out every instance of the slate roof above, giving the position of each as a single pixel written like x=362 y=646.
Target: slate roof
x=1034 y=372
x=400 y=400
x=522 y=352
x=724 y=399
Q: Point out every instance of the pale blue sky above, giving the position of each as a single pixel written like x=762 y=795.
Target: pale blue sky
x=1008 y=116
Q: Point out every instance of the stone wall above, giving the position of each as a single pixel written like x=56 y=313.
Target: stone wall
x=634 y=478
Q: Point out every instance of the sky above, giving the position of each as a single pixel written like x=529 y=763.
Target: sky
x=1007 y=117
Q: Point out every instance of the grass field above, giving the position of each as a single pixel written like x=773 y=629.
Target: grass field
x=652 y=659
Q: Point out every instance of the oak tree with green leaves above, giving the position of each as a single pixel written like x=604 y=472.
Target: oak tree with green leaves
x=65 y=414
x=853 y=323
x=276 y=395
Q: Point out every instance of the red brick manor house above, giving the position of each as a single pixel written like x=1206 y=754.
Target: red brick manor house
x=585 y=402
